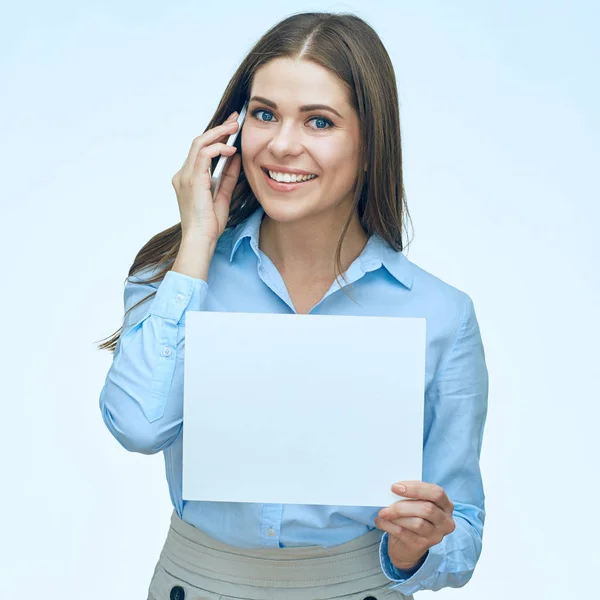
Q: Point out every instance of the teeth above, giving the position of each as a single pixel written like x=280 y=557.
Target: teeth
x=289 y=178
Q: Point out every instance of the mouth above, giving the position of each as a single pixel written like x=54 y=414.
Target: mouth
x=284 y=186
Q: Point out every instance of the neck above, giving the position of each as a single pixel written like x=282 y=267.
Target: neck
x=307 y=248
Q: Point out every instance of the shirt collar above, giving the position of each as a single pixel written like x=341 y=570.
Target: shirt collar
x=375 y=254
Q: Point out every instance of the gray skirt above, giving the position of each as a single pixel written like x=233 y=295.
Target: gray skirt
x=194 y=566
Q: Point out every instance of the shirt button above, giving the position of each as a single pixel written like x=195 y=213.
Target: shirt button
x=270 y=532
x=177 y=593
x=179 y=298
x=167 y=351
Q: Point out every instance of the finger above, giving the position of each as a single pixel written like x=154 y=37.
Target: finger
x=424 y=491
x=201 y=173
x=411 y=538
x=389 y=526
x=216 y=134
x=402 y=508
x=417 y=525
x=414 y=508
x=202 y=152
x=230 y=174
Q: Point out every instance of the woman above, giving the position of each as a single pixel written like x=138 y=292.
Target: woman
x=323 y=106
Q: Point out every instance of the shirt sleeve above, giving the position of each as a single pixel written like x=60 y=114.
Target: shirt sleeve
x=455 y=415
x=142 y=398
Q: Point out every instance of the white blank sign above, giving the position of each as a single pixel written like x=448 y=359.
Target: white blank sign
x=301 y=409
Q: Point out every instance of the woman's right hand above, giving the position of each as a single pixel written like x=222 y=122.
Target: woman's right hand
x=201 y=215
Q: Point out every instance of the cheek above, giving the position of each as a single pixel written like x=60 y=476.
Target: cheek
x=335 y=155
x=252 y=142
x=337 y=159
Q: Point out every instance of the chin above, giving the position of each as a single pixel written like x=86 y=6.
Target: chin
x=287 y=211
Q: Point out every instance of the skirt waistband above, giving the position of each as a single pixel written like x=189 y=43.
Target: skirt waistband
x=201 y=560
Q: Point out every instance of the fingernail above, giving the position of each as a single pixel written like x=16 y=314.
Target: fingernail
x=398 y=487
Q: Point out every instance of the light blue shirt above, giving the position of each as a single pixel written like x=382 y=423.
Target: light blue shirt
x=142 y=398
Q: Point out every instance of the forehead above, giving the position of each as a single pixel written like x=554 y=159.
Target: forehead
x=300 y=81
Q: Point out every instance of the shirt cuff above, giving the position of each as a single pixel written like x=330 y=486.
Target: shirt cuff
x=409 y=582
x=176 y=293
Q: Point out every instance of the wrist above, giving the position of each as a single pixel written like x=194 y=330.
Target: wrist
x=409 y=566
x=198 y=240
x=194 y=256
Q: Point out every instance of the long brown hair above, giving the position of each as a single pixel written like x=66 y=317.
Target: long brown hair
x=349 y=48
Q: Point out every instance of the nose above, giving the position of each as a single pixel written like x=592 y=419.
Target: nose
x=285 y=141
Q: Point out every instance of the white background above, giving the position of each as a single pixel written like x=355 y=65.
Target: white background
x=99 y=104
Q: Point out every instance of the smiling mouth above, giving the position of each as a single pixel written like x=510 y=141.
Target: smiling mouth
x=299 y=181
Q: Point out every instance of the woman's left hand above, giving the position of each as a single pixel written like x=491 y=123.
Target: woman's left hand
x=417 y=524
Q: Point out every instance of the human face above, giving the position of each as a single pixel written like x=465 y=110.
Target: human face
x=281 y=134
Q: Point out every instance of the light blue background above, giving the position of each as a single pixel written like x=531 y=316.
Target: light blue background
x=499 y=113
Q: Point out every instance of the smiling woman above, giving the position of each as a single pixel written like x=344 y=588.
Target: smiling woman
x=315 y=192
x=298 y=138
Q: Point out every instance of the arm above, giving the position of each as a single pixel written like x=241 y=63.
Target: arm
x=142 y=398
x=455 y=414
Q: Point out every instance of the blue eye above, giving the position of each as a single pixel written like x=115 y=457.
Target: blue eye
x=324 y=120
x=261 y=110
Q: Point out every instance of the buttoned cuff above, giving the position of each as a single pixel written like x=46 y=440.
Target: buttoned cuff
x=176 y=293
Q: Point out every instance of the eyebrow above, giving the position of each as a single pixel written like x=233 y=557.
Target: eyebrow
x=305 y=108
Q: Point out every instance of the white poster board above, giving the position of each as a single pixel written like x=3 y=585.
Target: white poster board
x=302 y=409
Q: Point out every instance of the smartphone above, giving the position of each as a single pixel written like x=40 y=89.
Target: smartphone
x=217 y=174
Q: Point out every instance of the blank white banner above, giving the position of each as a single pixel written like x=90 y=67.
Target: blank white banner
x=302 y=409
